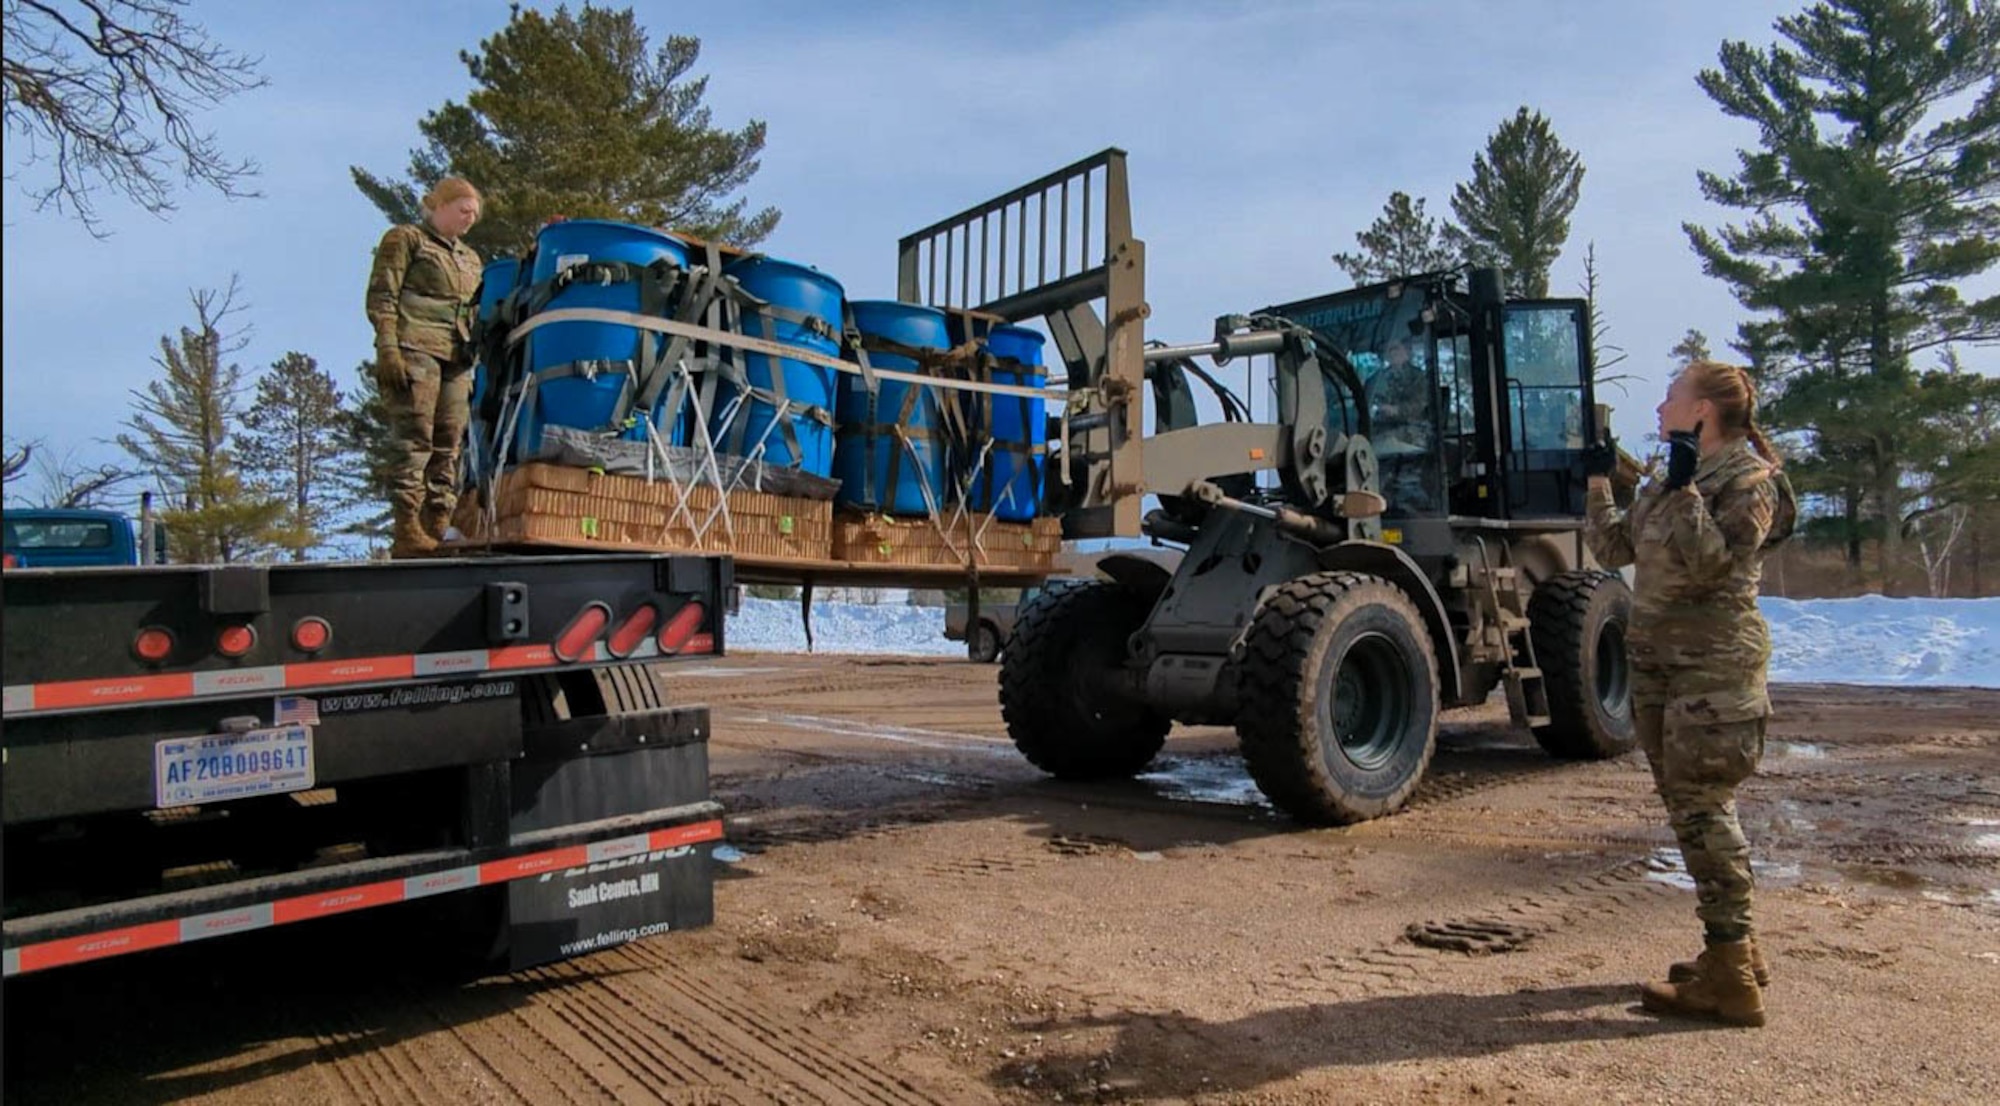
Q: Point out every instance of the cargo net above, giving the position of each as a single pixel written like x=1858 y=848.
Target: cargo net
x=696 y=451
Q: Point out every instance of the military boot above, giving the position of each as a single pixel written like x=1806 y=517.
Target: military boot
x=409 y=538
x=1724 y=988
x=1686 y=971
x=437 y=519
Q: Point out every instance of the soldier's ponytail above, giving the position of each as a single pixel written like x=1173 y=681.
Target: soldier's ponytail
x=1734 y=395
x=1762 y=444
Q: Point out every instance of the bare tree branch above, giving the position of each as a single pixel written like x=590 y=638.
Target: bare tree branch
x=104 y=94
x=16 y=460
x=63 y=482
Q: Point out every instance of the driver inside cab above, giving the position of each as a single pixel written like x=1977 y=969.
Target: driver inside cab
x=1400 y=424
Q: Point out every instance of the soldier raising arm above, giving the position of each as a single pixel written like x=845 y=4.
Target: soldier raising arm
x=1696 y=538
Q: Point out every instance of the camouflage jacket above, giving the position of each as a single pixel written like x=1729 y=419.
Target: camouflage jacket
x=1698 y=555
x=423 y=292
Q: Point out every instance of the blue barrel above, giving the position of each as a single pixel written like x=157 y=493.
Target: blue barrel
x=496 y=283
x=1011 y=485
x=808 y=292
x=869 y=457
x=582 y=401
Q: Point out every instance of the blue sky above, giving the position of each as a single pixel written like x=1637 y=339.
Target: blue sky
x=1262 y=136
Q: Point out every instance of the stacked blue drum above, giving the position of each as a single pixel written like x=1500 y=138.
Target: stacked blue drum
x=584 y=369
x=874 y=467
x=1010 y=485
x=806 y=313
x=496 y=284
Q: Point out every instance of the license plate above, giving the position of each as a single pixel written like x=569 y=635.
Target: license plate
x=218 y=767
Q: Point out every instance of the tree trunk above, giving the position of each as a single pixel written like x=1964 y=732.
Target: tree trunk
x=1851 y=505
x=1888 y=500
x=1978 y=584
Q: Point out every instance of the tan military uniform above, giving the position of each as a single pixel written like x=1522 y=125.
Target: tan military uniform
x=1699 y=649
x=423 y=299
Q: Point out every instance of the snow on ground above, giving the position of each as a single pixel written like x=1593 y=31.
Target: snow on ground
x=772 y=625
x=1870 y=640
x=1873 y=640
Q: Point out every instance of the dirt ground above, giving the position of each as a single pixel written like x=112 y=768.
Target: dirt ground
x=908 y=913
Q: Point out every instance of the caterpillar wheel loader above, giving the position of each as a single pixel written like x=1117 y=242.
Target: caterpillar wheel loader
x=1403 y=536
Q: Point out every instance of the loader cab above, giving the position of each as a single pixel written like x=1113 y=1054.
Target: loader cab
x=1379 y=329
x=1477 y=407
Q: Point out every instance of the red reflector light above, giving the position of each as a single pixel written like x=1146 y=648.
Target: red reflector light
x=310 y=635
x=632 y=632
x=681 y=627
x=574 y=643
x=10 y=562
x=152 y=645
x=235 y=641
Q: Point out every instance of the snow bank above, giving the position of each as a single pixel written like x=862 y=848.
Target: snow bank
x=1874 y=640
x=1871 y=640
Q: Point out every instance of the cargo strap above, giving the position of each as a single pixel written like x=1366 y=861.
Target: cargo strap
x=953 y=428
x=980 y=437
x=935 y=367
x=764 y=316
x=759 y=345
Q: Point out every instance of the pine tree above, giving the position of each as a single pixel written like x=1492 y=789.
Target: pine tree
x=576 y=115
x=1605 y=353
x=1401 y=242
x=181 y=432
x=1865 y=220
x=365 y=433
x=1515 y=210
x=295 y=448
x=1692 y=347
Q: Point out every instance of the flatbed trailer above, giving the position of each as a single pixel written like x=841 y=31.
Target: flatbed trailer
x=196 y=751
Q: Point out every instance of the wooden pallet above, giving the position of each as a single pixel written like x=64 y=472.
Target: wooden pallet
x=545 y=508
x=542 y=503
x=974 y=541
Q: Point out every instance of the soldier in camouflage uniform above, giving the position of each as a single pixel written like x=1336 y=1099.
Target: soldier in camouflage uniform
x=423 y=299
x=1699 y=648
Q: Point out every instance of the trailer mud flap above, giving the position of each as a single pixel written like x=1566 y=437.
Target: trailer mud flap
x=616 y=896
x=607 y=903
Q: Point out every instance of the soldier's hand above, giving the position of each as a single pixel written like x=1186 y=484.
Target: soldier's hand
x=1601 y=459
x=1683 y=456
x=391 y=374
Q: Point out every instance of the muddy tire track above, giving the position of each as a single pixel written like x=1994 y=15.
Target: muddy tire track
x=1405 y=966
x=785 y=1058
x=382 y=1047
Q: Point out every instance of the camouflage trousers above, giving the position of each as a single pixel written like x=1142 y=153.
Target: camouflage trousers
x=1702 y=738
x=427 y=421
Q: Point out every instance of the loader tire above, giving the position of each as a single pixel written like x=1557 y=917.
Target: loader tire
x=1578 y=622
x=1054 y=695
x=1338 y=709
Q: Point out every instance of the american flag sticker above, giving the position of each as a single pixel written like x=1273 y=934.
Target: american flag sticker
x=295 y=708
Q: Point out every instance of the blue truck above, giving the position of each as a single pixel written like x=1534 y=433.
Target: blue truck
x=74 y=537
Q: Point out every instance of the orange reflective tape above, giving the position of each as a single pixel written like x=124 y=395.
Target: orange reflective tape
x=313 y=673
x=96 y=946
x=91 y=693
x=534 y=864
x=522 y=656
x=686 y=835
x=340 y=901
